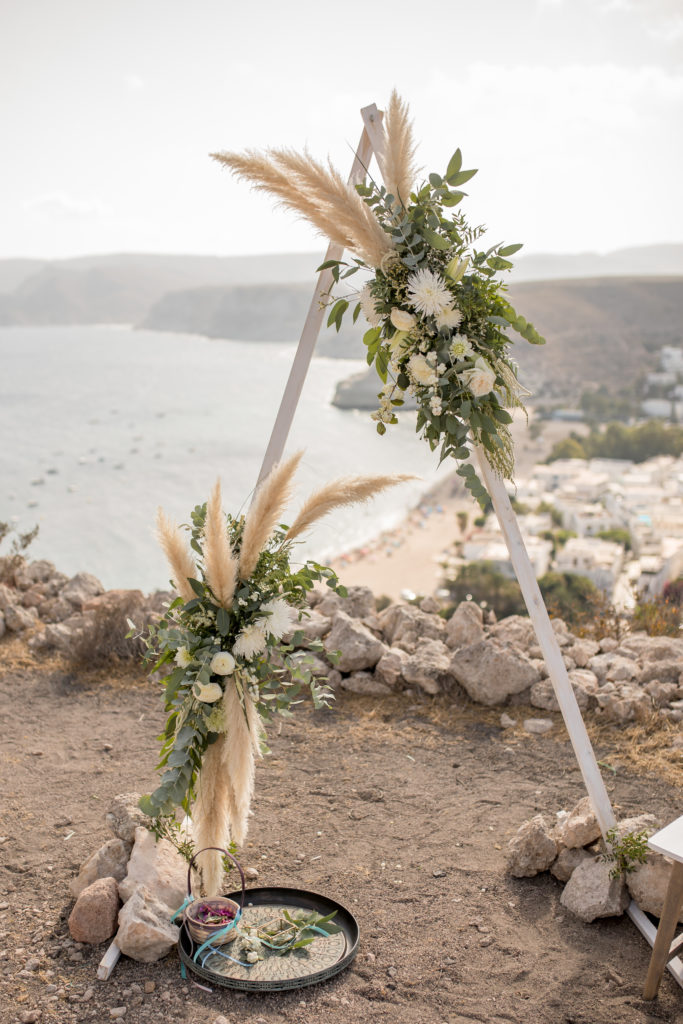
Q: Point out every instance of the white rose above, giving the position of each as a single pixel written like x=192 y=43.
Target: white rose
x=183 y=657
x=481 y=379
x=402 y=320
x=223 y=663
x=420 y=372
x=209 y=693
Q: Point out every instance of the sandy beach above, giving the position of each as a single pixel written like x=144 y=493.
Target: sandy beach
x=409 y=557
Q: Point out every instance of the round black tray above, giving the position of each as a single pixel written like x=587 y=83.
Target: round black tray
x=346 y=944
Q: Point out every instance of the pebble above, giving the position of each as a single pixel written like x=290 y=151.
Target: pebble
x=32 y=965
x=506 y=722
x=117 y=1011
x=439 y=873
x=538 y=725
x=220 y=1019
x=149 y=986
x=4 y=906
x=29 y=1016
x=486 y=941
x=87 y=995
x=166 y=996
x=251 y=873
x=49 y=989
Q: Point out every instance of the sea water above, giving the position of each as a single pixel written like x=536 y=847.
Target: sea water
x=100 y=425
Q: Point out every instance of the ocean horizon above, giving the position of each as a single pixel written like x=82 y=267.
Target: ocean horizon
x=102 y=424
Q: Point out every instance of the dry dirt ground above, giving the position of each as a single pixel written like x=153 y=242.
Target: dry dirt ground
x=400 y=810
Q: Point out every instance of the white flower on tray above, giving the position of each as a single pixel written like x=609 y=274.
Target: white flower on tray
x=223 y=663
x=428 y=293
x=481 y=379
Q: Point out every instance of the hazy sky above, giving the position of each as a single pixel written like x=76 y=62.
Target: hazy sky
x=572 y=110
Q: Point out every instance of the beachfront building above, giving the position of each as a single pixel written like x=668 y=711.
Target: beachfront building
x=600 y=560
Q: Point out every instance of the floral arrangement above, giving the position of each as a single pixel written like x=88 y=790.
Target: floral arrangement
x=439 y=321
x=228 y=646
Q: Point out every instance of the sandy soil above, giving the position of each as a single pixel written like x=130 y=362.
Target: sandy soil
x=414 y=803
x=410 y=556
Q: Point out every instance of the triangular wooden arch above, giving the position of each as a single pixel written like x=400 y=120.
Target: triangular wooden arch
x=372 y=143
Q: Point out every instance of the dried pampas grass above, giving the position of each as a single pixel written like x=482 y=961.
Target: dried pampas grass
x=319 y=194
x=345 y=491
x=178 y=555
x=266 y=508
x=219 y=561
x=398 y=160
x=241 y=747
x=211 y=815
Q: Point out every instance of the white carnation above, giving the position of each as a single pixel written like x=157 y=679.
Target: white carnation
x=367 y=305
x=481 y=379
x=401 y=319
x=428 y=292
x=208 y=693
x=420 y=372
x=223 y=663
x=279 y=619
x=250 y=641
x=183 y=658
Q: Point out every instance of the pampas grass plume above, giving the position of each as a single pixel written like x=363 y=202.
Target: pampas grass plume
x=398 y=166
x=345 y=491
x=178 y=555
x=219 y=561
x=266 y=508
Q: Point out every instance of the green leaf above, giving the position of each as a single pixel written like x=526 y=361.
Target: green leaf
x=510 y=250
x=223 y=622
x=197 y=587
x=502 y=415
x=436 y=180
x=147 y=806
x=327 y=265
x=337 y=312
x=454 y=164
x=381 y=429
x=372 y=335
x=435 y=240
x=356 y=312
x=461 y=177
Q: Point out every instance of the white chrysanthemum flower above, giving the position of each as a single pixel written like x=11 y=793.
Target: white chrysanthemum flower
x=461 y=347
x=250 y=641
x=481 y=379
x=208 y=693
x=420 y=372
x=402 y=319
x=216 y=721
x=183 y=658
x=367 y=305
x=449 y=318
x=279 y=620
x=428 y=292
x=223 y=663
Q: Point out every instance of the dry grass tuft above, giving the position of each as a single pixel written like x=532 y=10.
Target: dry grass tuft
x=103 y=638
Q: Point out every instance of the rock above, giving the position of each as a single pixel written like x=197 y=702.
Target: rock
x=579 y=828
x=365 y=685
x=29 y=1016
x=607 y=644
x=17 y=619
x=117 y=1012
x=251 y=873
x=613 y=667
x=359 y=648
x=566 y=863
x=648 y=884
x=389 y=668
x=124 y=816
x=149 y=986
x=661 y=693
x=490 y=672
x=465 y=626
x=654 y=648
x=667 y=671
x=2 y=625
x=537 y=725
x=94 y=917
x=542 y=695
x=532 y=850
x=359 y=602
x=156 y=866
x=40 y=571
x=145 y=932
x=590 y=892
x=429 y=667
x=586 y=681
x=429 y=605
x=506 y=722
x=314 y=626
x=517 y=630
x=399 y=621
x=582 y=651
x=639 y=823
x=7 y=597
x=81 y=588
x=110 y=861
x=57 y=636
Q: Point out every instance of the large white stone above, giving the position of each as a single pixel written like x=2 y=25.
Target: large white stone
x=491 y=672
x=542 y=695
x=158 y=867
x=81 y=588
x=579 y=828
x=567 y=862
x=515 y=629
x=110 y=861
x=429 y=667
x=590 y=892
x=399 y=621
x=648 y=884
x=359 y=602
x=359 y=648
x=582 y=651
x=145 y=930
x=532 y=850
x=389 y=668
x=465 y=626
x=123 y=816
x=365 y=685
